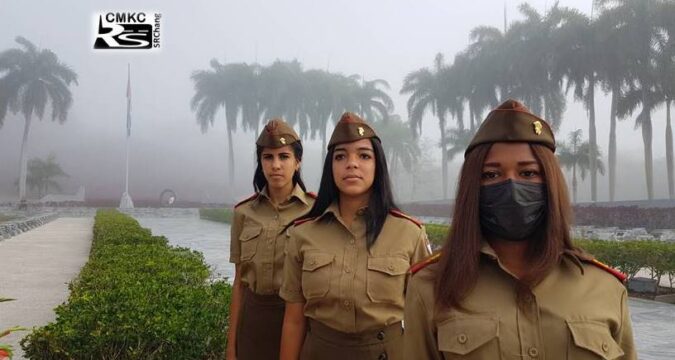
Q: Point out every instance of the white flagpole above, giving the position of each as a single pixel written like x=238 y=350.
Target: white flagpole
x=126 y=202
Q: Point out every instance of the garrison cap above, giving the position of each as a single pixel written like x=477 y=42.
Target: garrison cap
x=513 y=122
x=351 y=128
x=277 y=133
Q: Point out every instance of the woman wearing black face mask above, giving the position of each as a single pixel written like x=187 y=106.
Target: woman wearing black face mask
x=509 y=283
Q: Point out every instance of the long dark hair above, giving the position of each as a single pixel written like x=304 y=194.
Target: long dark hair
x=381 y=199
x=460 y=259
x=259 y=181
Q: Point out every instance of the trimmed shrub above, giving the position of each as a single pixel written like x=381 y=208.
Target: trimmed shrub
x=136 y=298
x=219 y=215
x=629 y=257
x=437 y=233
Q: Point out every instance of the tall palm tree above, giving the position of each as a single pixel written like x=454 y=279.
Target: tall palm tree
x=428 y=91
x=42 y=174
x=485 y=72
x=328 y=96
x=399 y=144
x=284 y=88
x=665 y=69
x=578 y=59
x=373 y=103
x=458 y=140
x=577 y=155
x=215 y=88
x=611 y=69
x=31 y=78
x=248 y=85
x=529 y=53
x=637 y=19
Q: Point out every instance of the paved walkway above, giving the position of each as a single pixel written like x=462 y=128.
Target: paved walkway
x=35 y=268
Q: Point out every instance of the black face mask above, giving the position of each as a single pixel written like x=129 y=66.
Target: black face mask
x=512 y=210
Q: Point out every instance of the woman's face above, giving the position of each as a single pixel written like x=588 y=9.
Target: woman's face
x=278 y=166
x=513 y=161
x=354 y=167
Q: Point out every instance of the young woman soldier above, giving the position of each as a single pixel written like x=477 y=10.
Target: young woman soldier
x=509 y=283
x=347 y=259
x=257 y=244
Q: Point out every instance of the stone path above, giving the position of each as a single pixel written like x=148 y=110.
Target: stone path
x=35 y=269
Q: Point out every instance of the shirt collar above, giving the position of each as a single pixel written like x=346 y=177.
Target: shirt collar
x=297 y=193
x=300 y=194
x=486 y=249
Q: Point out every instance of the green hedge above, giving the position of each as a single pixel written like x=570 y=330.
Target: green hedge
x=136 y=298
x=219 y=215
x=657 y=257
x=437 y=234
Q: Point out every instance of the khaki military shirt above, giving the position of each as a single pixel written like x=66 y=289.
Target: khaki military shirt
x=343 y=284
x=577 y=312
x=257 y=242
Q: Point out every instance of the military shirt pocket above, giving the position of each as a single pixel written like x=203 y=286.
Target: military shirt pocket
x=386 y=279
x=470 y=337
x=591 y=340
x=316 y=274
x=249 y=241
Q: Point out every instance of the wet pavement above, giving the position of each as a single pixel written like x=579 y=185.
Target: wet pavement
x=653 y=322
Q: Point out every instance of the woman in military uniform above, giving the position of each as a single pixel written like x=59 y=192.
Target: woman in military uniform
x=509 y=283
x=257 y=244
x=347 y=259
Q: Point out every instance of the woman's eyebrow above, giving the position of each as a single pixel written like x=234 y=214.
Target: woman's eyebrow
x=365 y=149
x=492 y=164
x=530 y=162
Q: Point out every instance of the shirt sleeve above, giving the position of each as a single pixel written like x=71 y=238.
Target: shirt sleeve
x=624 y=337
x=291 y=286
x=235 y=232
x=418 y=336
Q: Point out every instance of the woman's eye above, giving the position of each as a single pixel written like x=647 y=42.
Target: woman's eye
x=529 y=173
x=487 y=175
x=365 y=156
x=339 y=157
x=267 y=157
x=284 y=157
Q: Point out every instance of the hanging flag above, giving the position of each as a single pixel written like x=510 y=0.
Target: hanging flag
x=129 y=101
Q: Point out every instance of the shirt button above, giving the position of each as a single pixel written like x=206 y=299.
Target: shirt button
x=348 y=270
x=346 y=303
x=351 y=241
x=605 y=347
x=462 y=338
x=390 y=267
x=312 y=262
x=533 y=352
x=382 y=356
x=380 y=335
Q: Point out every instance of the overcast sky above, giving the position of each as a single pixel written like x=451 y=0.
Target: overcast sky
x=375 y=39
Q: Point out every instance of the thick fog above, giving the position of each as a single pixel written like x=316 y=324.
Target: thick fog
x=373 y=39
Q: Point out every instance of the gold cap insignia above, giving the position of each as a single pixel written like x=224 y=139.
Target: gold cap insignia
x=537 y=127
x=282 y=141
x=361 y=131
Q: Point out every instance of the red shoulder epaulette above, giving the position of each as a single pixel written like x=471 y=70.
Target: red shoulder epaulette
x=424 y=263
x=302 y=221
x=246 y=200
x=617 y=274
x=311 y=194
x=399 y=214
